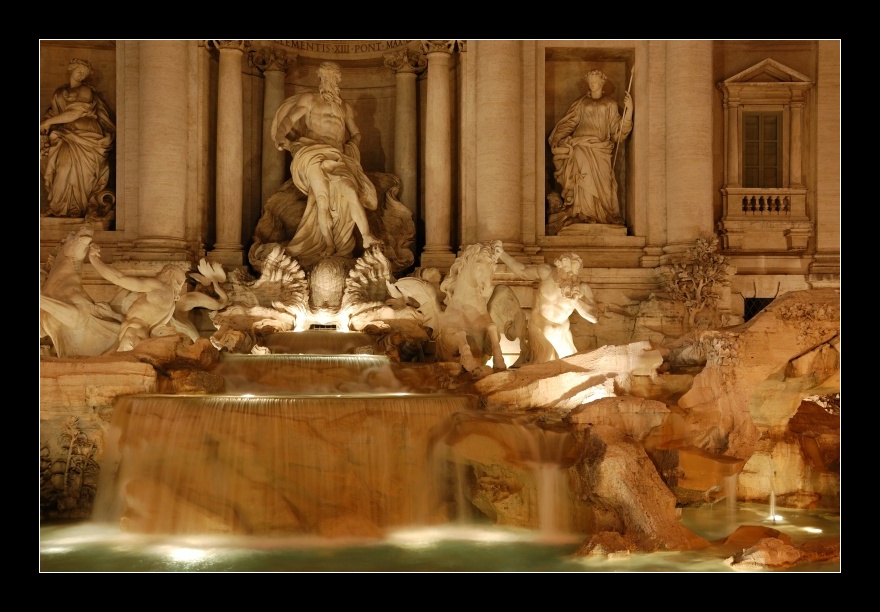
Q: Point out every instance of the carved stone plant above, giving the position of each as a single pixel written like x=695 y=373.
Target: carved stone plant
x=697 y=280
x=69 y=479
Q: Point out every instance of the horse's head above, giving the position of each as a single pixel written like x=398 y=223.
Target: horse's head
x=76 y=245
x=471 y=274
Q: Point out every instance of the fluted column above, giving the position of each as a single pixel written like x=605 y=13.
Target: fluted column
x=163 y=135
x=688 y=149
x=438 y=157
x=406 y=65
x=230 y=155
x=274 y=64
x=499 y=142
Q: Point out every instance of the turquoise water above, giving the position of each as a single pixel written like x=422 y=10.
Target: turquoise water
x=88 y=547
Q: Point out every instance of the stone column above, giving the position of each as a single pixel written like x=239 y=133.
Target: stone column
x=163 y=93
x=689 y=190
x=406 y=64
x=438 y=157
x=796 y=179
x=274 y=64
x=731 y=109
x=230 y=146
x=499 y=139
x=467 y=143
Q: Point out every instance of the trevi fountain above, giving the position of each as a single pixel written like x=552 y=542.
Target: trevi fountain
x=439 y=306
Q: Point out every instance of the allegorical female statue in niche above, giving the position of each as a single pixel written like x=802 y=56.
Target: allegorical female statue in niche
x=76 y=135
x=583 y=146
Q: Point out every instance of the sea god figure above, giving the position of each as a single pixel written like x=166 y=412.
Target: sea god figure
x=76 y=135
x=326 y=167
x=558 y=295
x=151 y=313
x=583 y=145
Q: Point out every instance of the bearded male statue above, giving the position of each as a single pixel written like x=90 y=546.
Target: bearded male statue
x=319 y=130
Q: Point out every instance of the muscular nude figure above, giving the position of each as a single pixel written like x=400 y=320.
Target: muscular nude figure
x=559 y=294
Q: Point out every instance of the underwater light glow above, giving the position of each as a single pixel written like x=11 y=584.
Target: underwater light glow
x=188 y=555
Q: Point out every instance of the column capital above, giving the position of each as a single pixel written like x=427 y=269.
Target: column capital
x=237 y=45
x=406 y=60
x=273 y=59
x=462 y=46
x=437 y=46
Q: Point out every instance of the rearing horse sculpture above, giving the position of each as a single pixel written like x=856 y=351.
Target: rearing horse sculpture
x=477 y=312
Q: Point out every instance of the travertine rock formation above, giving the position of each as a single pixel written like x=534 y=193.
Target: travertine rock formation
x=624 y=443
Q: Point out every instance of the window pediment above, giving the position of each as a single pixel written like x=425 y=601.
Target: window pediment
x=768 y=71
x=764 y=198
x=767 y=82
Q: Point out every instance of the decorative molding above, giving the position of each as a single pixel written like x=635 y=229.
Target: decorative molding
x=273 y=59
x=239 y=45
x=406 y=60
x=438 y=46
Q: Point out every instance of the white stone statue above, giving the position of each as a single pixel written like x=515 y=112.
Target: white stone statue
x=319 y=130
x=559 y=294
x=76 y=136
x=150 y=310
x=583 y=146
x=469 y=329
x=77 y=325
x=211 y=275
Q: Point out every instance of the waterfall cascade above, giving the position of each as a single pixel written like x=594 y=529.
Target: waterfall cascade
x=332 y=444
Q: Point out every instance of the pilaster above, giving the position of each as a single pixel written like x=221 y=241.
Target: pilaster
x=499 y=142
x=689 y=96
x=163 y=160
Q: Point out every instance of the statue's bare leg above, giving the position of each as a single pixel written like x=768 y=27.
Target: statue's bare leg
x=495 y=341
x=360 y=218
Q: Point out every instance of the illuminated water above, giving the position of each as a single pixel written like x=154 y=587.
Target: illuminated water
x=88 y=547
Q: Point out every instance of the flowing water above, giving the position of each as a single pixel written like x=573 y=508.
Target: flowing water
x=329 y=464
x=92 y=547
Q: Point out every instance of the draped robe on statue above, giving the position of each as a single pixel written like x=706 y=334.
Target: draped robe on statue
x=346 y=177
x=75 y=161
x=588 y=133
x=348 y=186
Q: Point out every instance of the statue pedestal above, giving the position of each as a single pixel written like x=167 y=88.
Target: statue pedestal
x=592 y=229
x=599 y=245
